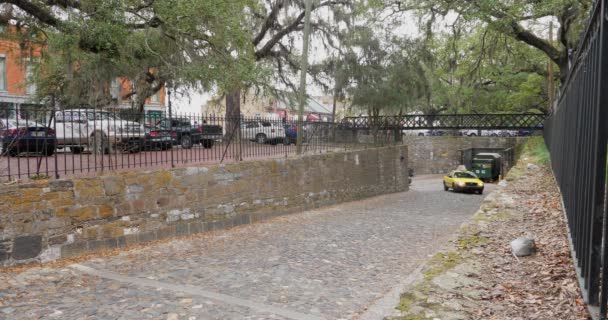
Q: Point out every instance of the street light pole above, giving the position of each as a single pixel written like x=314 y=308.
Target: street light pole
x=303 y=72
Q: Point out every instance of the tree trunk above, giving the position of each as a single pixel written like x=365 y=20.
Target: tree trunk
x=233 y=112
x=233 y=121
x=333 y=110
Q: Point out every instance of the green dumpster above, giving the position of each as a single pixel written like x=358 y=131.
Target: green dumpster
x=487 y=166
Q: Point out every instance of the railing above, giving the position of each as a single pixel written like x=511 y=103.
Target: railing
x=531 y=121
x=576 y=135
x=40 y=143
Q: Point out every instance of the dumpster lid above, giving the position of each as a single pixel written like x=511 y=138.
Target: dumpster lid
x=488 y=155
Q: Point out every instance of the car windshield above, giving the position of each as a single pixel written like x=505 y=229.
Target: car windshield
x=465 y=175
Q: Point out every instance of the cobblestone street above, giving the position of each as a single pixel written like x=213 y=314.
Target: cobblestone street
x=329 y=263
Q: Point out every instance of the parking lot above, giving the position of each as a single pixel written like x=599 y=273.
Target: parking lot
x=64 y=164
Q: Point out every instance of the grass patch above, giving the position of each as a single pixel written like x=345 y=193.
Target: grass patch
x=536 y=149
x=499 y=216
x=40 y=177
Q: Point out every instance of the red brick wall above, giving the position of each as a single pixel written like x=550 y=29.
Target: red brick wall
x=15 y=63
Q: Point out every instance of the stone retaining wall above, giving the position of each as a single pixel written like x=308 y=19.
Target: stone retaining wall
x=435 y=155
x=52 y=219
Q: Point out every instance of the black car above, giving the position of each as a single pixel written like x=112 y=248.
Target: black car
x=21 y=136
x=158 y=138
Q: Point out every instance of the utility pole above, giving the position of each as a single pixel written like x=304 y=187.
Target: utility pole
x=303 y=71
x=551 y=77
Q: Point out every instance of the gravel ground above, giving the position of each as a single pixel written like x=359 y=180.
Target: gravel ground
x=330 y=263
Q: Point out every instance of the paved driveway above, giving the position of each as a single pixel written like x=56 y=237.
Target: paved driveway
x=331 y=263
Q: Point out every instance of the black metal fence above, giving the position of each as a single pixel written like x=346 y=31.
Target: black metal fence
x=530 y=121
x=41 y=143
x=576 y=135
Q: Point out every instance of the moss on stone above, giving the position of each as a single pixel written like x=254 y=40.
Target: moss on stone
x=472 y=241
x=440 y=263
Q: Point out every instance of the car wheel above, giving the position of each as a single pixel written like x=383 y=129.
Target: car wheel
x=260 y=138
x=12 y=152
x=135 y=147
x=473 y=135
x=76 y=150
x=99 y=143
x=420 y=134
x=207 y=144
x=48 y=151
x=186 y=142
x=445 y=187
x=480 y=191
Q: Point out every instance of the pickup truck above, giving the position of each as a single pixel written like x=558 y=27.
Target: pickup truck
x=188 y=134
x=100 y=131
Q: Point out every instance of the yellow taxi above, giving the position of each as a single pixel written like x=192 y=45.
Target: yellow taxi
x=461 y=180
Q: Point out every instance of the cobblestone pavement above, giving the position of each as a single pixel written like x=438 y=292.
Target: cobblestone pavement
x=330 y=263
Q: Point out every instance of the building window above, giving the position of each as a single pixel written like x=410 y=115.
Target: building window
x=115 y=89
x=2 y=73
x=155 y=98
x=30 y=88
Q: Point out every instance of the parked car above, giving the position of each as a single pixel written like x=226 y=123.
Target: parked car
x=18 y=136
x=158 y=138
x=461 y=180
x=416 y=132
x=525 y=133
x=189 y=134
x=469 y=132
x=101 y=131
x=263 y=131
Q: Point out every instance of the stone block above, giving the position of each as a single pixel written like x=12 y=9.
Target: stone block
x=74 y=249
x=84 y=213
x=165 y=232
x=106 y=211
x=61 y=185
x=162 y=202
x=146 y=236
x=103 y=244
x=127 y=240
x=242 y=219
x=181 y=229
x=195 y=227
x=58 y=239
x=215 y=225
x=62 y=202
x=5 y=249
x=26 y=247
x=112 y=230
x=113 y=185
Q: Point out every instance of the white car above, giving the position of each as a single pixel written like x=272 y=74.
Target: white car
x=262 y=131
x=100 y=131
x=469 y=132
x=417 y=132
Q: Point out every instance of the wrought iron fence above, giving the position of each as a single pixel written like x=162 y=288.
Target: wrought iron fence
x=576 y=135
x=531 y=121
x=39 y=142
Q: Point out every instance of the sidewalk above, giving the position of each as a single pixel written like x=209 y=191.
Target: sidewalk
x=478 y=277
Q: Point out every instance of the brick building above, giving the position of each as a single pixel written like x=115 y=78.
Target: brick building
x=17 y=91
